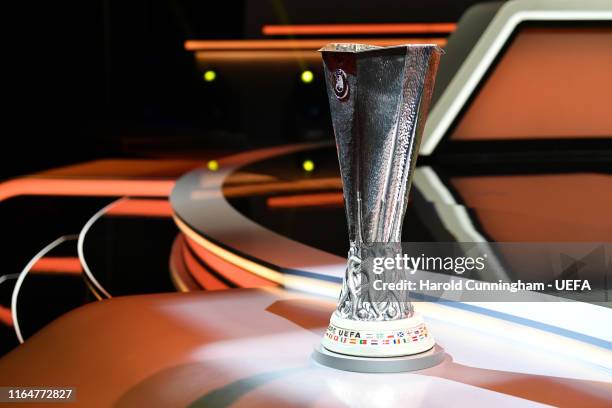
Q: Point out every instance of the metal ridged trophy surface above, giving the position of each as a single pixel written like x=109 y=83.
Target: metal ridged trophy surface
x=379 y=98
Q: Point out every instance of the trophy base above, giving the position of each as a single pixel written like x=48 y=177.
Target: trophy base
x=393 y=338
x=415 y=362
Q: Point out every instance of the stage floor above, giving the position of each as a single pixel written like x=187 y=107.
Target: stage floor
x=253 y=348
x=259 y=243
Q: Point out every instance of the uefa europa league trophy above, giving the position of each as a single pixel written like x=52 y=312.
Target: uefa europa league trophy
x=379 y=98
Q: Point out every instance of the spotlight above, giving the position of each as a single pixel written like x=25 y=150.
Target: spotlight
x=213 y=165
x=210 y=75
x=307 y=76
x=308 y=165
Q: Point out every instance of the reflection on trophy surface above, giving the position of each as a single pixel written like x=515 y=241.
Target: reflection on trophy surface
x=379 y=99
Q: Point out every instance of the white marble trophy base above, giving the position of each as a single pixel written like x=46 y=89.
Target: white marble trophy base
x=393 y=338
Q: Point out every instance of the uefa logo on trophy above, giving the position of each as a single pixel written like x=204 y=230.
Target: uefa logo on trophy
x=379 y=99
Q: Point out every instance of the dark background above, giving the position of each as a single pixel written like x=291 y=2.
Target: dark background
x=88 y=79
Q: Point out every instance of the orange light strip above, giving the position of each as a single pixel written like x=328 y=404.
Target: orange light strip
x=62 y=265
x=96 y=187
x=256 y=55
x=6 y=317
x=306 y=200
x=232 y=272
x=141 y=208
x=343 y=29
x=302 y=283
x=206 y=279
x=179 y=274
x=283 y=187
x=301 y=44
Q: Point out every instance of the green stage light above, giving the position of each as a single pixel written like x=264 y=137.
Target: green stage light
x=213 y=165
x=308 y=165
x=210 y=75
x=307 y=76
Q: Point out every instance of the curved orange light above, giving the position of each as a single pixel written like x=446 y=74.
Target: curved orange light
x=306 y=200
x=61 y=265
x=299 y=44
x=141 y=208
x=341 y=29
x=96 y=187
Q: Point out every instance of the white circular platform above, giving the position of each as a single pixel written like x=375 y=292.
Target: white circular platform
x=415 y=362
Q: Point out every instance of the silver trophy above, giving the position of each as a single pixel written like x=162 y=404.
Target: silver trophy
x=379 y=99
